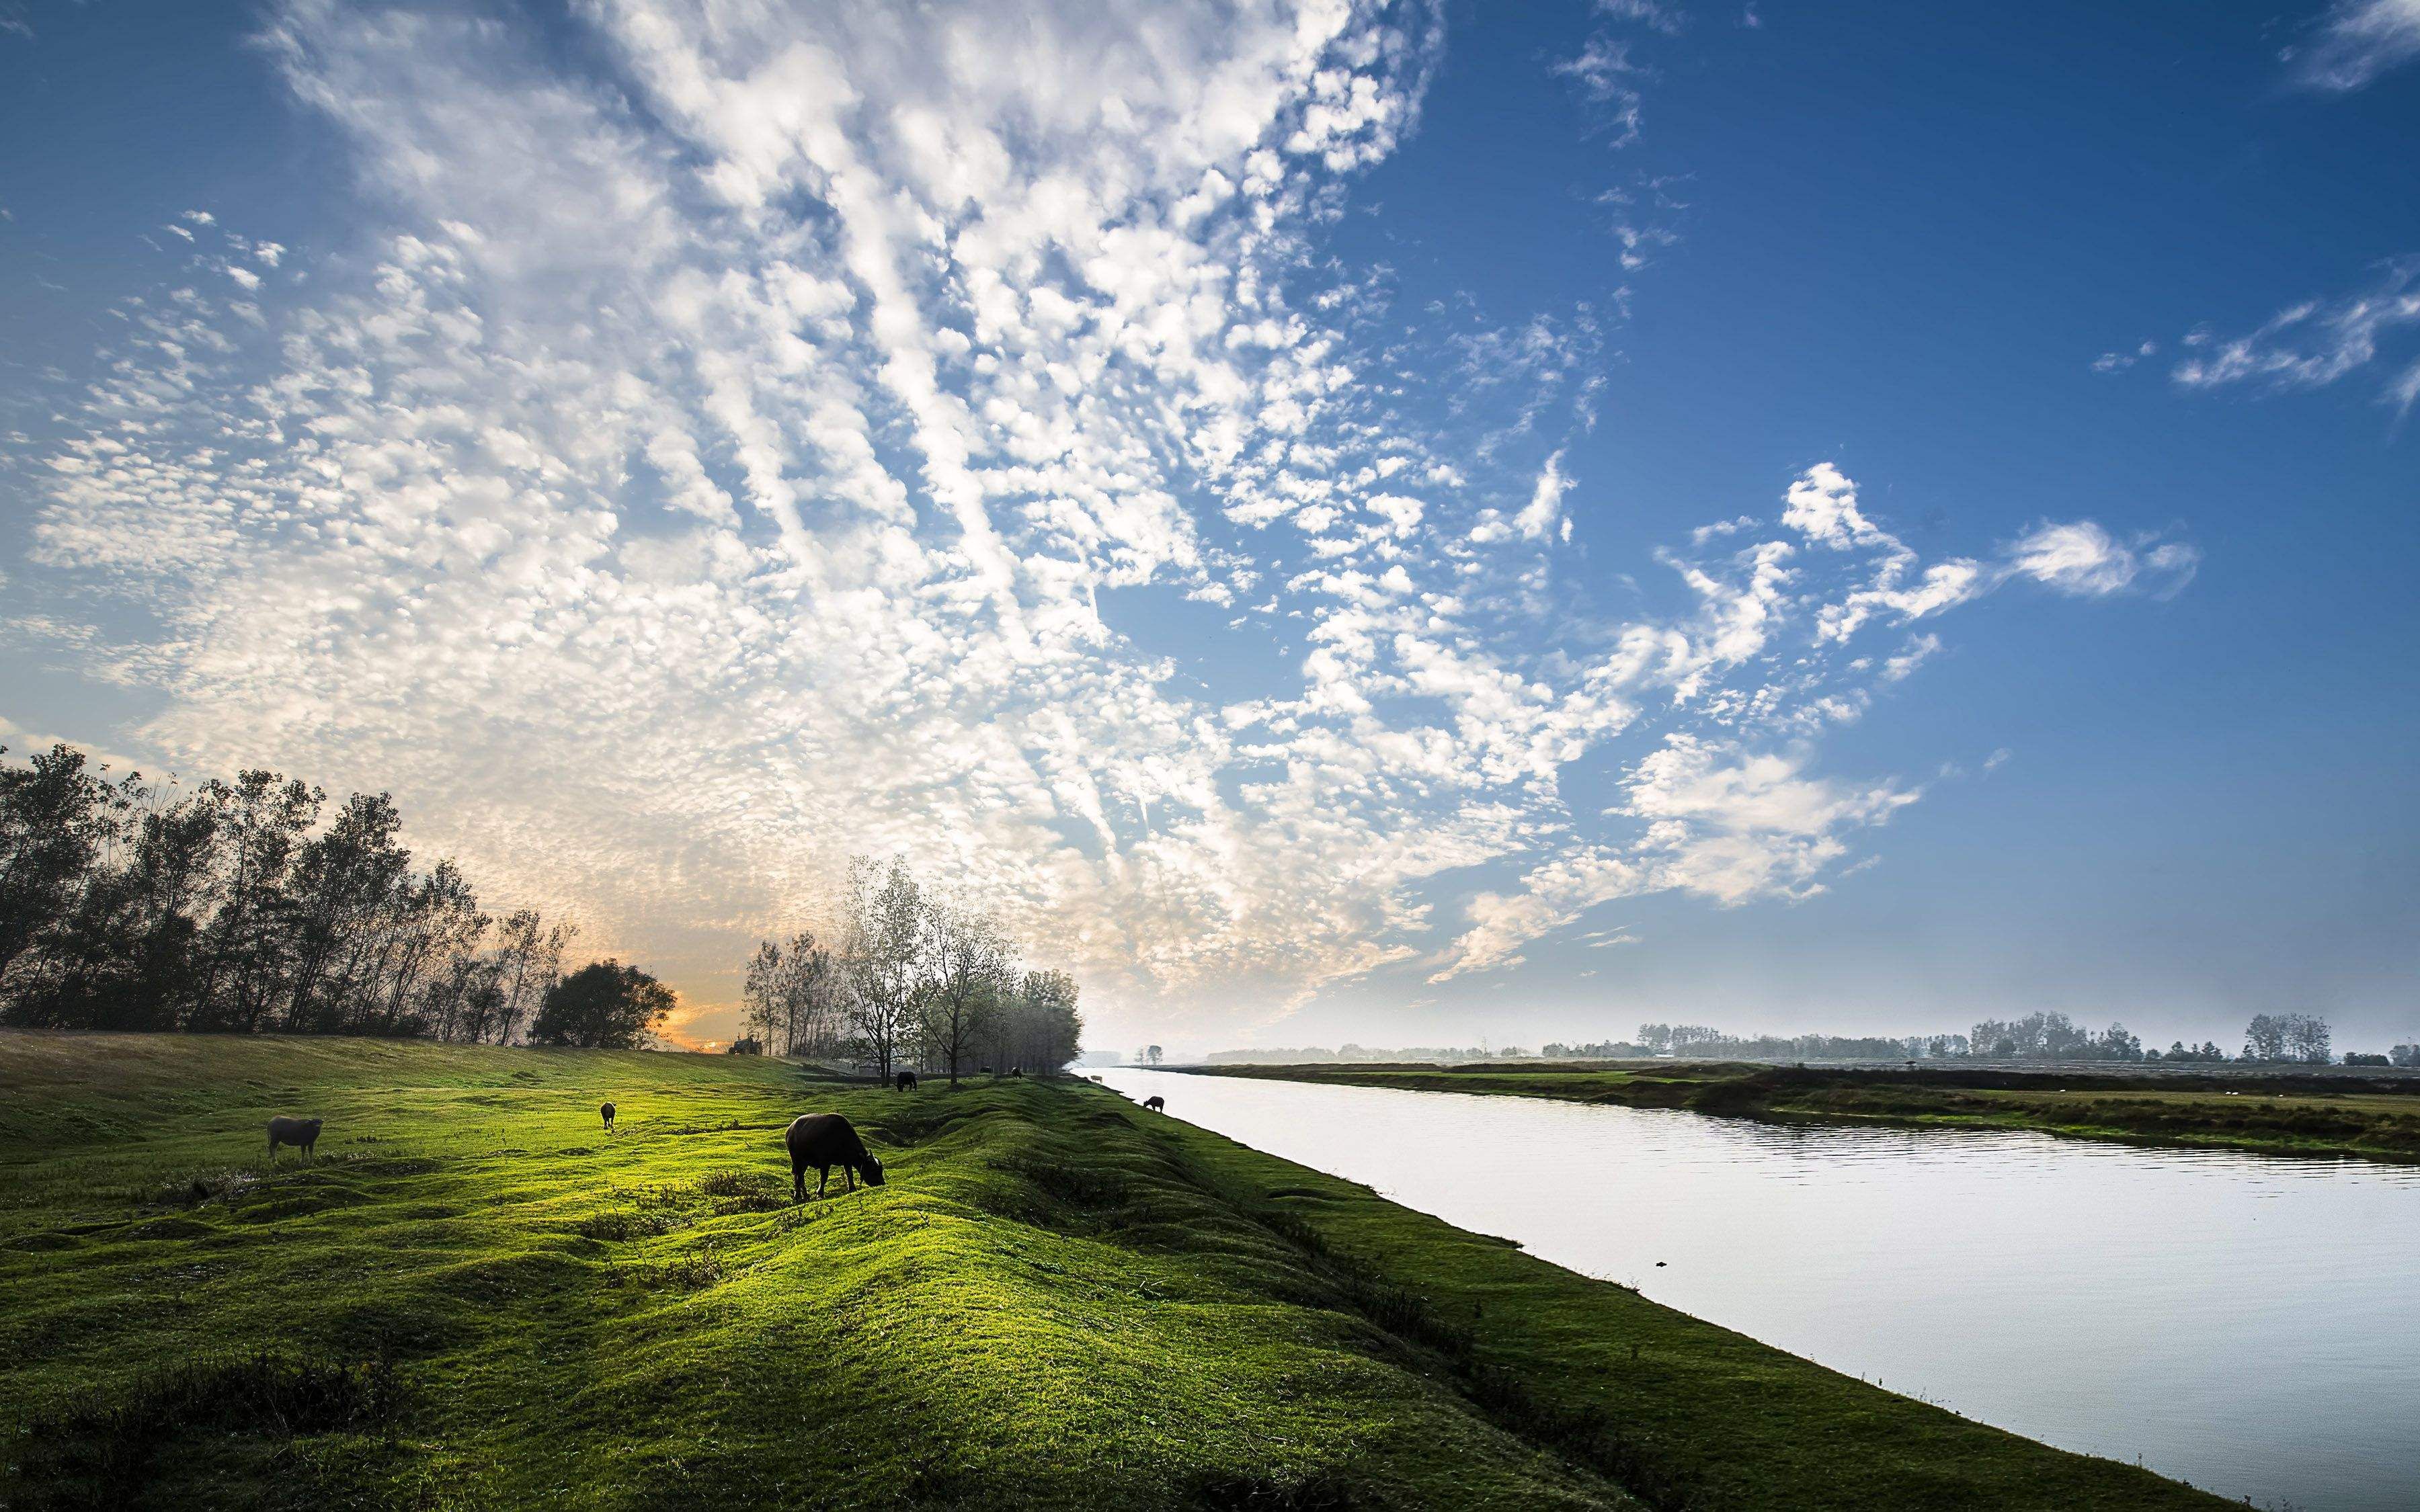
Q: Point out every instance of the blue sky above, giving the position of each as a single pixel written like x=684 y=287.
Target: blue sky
x=1348 y=522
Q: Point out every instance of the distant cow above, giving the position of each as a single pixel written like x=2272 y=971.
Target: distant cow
x=824 y=1140
x=907 y=1081
x=300 y=1132
x=1158 y=1104
x=607 y=1111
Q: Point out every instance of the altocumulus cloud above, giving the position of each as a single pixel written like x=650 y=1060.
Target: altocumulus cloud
x=791 y=431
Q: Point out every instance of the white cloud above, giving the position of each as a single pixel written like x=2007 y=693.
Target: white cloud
x=2358 y=41
x=1719 y=821
x=1733 y=825
x=2080 y=559
x=1543 y=515
x=1605 y=75
x=1920 y=649
x=2119 y=362
x=1648 y=13
x=2317 y=343
x=1823 y=506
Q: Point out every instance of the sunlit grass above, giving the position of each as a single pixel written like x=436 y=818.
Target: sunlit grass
x=477 y=1298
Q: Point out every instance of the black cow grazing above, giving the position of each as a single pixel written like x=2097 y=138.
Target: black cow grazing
x=300 y=1132
x=606 y=1112
x=907 y=1081
x=1158 y=1104
x=824 y=1140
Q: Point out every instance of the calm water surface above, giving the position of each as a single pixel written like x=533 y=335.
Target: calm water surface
x=2249 y=1324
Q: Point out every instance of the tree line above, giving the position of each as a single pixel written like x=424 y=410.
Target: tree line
x=248 y=905
x=2292 y=1038
x=912 y=977
x=2298 y=1039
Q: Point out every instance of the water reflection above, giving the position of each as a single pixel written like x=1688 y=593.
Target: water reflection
x=2246 y=1323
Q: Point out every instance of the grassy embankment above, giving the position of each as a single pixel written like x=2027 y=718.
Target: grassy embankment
x=2281 y=1113
x=477 y=1299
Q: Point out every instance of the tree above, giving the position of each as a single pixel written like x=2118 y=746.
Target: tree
x=604 y=1006
x=1037 y=1025
x=345 y=891
x=913 y=972
x=131 y=906
x=795 y=996
x=2115 y=1044
x=2287 y=1037
x=529 y=961
x=881 y=958
x=249 y=947
x=54 y=819
x=969 y=965
x=124 y=958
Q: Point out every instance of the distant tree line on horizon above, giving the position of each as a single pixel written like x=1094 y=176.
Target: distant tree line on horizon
x=232 y=907
x=2290 y=1039
x=912 y=977
x=2298 y=1039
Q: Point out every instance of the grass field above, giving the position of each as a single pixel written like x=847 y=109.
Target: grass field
x=2279 y=1113
x=476 y=1298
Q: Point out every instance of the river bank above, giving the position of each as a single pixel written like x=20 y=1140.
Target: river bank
x=477 y=1298
x=2260 y=1110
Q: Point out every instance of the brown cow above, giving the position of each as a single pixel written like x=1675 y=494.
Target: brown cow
x=300 y=1132
x=824 y=1140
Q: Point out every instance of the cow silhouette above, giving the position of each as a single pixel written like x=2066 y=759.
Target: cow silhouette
x=824 y=1140
x=300 y=1132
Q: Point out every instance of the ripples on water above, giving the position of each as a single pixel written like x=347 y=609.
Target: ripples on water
x=2248 y=1323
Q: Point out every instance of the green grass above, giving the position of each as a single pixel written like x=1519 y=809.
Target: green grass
x=477 y=1299
x=2270 y=1113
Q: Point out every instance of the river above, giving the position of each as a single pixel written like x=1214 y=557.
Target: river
x=2247 y=1324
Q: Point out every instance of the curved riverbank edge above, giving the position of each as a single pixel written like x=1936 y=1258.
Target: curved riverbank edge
x=1058 y=1299
x=2268 y=1113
